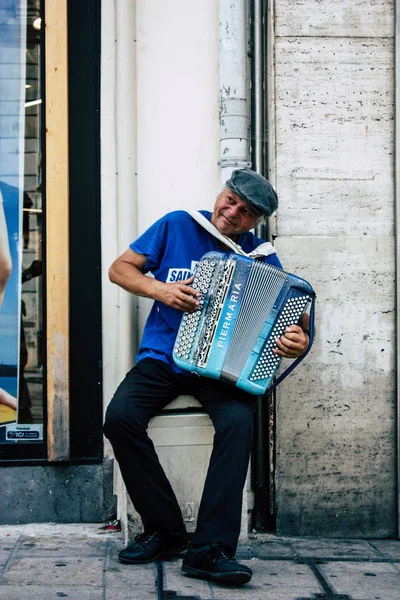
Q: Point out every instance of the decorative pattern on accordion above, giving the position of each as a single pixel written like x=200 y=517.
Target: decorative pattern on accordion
x=244 y=306
x=216 y=303
x=205 y=271
x=190 y=321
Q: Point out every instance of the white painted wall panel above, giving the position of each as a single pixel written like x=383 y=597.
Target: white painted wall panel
x=178 y=102
x=362 y=18
x=177 y=114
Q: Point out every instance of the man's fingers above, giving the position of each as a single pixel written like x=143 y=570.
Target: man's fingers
x=187 y=281
x=189 y=291
x=188 y=297
x=180 y=305
x=185 y=302
x=285 y=342
x=285 y=350
x=189 y=306
x=291 y=344
x=286 y=354
x=181 y=296
x=294 y=329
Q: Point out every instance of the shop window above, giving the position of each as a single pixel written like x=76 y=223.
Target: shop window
x=22 y=372
x=50 y=370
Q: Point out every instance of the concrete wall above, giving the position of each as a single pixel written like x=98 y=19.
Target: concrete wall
x=57 y=493
x=336 y=444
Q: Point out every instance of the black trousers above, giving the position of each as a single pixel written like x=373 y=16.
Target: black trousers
x=146 y=389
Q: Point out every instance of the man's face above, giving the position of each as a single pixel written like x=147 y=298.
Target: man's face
x=232 y=215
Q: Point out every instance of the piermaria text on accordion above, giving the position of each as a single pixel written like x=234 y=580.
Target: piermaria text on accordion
x=230 y=313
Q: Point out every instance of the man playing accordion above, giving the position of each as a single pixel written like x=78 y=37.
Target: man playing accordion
x=169 y=250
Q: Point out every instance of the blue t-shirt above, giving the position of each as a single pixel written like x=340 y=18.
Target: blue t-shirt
x=173 y=246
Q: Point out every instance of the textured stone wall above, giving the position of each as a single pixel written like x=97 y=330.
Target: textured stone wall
x=336 y=429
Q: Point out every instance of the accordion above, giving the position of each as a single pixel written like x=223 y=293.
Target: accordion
x=244 y=305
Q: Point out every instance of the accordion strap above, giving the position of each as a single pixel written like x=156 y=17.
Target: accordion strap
x=264 y=249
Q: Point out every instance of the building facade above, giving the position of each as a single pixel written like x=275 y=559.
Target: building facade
x=146 y=108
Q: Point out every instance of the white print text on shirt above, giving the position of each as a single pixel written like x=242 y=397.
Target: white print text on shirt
x=177 y=274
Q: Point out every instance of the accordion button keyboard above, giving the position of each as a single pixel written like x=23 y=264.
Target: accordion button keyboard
x=268 y=360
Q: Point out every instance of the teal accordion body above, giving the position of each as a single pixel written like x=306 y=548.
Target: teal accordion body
x=245 y=305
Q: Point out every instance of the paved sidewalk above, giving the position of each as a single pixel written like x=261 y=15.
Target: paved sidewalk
x=79 y=562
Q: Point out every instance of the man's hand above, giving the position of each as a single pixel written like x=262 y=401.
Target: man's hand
x=178 y=295
x=127 y=271
x=293 y=343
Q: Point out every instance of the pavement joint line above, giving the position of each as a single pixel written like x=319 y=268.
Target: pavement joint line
x=169 y=594
x=394 y=562
x=106 y=566
x=375 y=548
x=160 y=580
x=329 y=590
x=302 y=559
x=59 y=556
x=325 y=585
x=10 y=558
x=324 y=597
x=211 y=588
x=396 y=565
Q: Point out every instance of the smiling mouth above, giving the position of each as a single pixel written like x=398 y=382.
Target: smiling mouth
x=229 y=222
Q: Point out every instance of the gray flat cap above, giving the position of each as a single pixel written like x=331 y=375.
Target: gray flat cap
x=254 y=189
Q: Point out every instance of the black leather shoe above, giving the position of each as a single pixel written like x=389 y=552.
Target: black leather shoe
x=148 y=547
x=212 y=561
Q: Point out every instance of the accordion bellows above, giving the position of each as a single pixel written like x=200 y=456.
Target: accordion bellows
x=245 y=305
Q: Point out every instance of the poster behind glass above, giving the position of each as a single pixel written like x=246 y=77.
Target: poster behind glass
x=21 y=294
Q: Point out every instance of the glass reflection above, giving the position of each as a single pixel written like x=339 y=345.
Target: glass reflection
x=21 y=287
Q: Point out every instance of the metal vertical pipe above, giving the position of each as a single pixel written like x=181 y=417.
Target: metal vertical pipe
x=397 y=220
x=270 y=158
x=270 y=166
x=258 y=112
x=263 y=153
x=234 y=106
x=258 y=86
x=258 y=159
